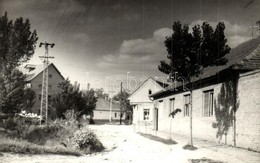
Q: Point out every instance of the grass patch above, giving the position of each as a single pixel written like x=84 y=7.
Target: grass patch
x=204 y=160
x=189 y=147
x=62 y=136
x=156 y=138
x=24 y=147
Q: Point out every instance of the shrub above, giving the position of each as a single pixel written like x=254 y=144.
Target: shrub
x=40 y=134
x=86 y=141
x=10 y=123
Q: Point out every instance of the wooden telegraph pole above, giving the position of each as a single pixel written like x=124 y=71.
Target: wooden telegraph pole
x=121 y=87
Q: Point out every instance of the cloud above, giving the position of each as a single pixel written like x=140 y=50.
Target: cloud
x=138 y=54
x=146 y=54
x=235 y=33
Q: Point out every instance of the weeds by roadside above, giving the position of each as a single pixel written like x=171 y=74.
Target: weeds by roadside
x=62 y=136
x=24 y=147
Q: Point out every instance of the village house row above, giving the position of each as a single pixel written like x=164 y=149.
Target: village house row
x=225 y=101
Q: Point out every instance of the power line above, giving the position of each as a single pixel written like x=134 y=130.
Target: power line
x=249 y=3
x=252 y=27
x=64 y=11
x=53 y=19
x=68 y=21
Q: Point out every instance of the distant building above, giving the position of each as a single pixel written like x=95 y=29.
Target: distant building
x=143 y=112
x=34 y=81
x=101 y=114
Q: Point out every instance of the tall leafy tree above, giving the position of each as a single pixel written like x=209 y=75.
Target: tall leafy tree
x=189 y=52
x=91 y=100
x=71 y=98
x=122 y=98
x=17 y=45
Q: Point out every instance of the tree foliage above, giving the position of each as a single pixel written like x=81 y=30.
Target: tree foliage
x=122 y=98
x=17 y=45
x=17 y=42
x=13 y=95
x=190 y=52
x=71 y=98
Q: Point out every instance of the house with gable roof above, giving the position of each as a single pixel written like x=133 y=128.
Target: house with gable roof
x=34 y=81
x=106 y=108
x=143 y=112
x=225 y=101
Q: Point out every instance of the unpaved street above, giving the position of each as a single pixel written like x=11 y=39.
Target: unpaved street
x=124 y=145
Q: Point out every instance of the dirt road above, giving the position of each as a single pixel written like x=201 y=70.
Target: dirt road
x=123 y=145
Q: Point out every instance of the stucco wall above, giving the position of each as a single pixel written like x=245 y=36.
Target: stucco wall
x=105 y=115
x=247 y=115
x=142 y=94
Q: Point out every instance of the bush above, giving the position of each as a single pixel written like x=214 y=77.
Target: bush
x=40 y=134
x=10 y=123
x=86 y=141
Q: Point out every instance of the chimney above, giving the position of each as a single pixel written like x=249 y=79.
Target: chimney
x=88 y=87
x=30 y=67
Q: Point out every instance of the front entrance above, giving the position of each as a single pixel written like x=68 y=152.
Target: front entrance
x=156 y=115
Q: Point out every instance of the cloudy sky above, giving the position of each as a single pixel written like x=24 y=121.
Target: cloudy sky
x=98 y=41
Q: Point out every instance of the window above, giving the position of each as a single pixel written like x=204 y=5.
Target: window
x=186 y=105
x=40 y=96
x=40 y=86
x=115 y=115
x=146 y=114
x=208 y=97
x=28 y=85
x=171 y=107
x=50 y=75
x=150 y=91
x=50 y=86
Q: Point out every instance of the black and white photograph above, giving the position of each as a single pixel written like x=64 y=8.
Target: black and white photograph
x=129 y=81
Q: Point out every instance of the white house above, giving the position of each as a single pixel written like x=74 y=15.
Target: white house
x=102 y=113
x=143 y=112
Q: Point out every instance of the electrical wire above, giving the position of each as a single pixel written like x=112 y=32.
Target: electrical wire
x=60 y=20
x=53 y=19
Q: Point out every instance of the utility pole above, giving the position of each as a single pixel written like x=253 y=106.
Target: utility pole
x=121 y=87
x=44 y=97
x=111 y=106
x=249 y=4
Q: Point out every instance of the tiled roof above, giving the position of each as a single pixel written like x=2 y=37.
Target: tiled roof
x=104 y=104
x=239 y=56
x=245 y=56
